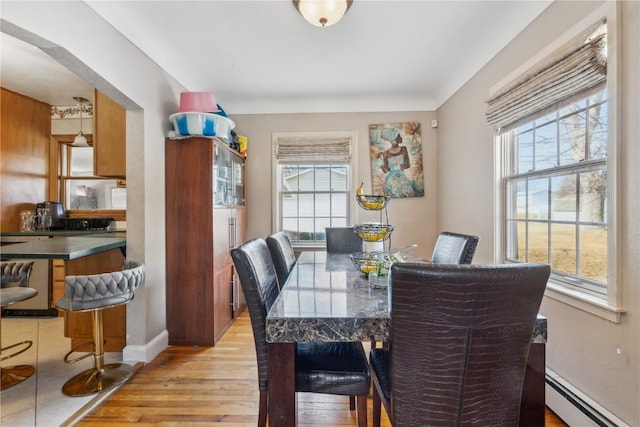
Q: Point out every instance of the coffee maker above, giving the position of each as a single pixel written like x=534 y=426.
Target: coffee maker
x=57 y=212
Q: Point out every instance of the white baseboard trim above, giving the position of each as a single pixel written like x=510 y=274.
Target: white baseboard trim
x=574 y=407
x=146 y=353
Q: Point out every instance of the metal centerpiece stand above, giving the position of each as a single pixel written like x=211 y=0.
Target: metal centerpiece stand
x=375 y=265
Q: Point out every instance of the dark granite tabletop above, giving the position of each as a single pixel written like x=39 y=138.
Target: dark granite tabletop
x=64 y=247
x=326 y=299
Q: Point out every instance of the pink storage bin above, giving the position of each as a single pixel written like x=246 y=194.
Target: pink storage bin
x=198 y=102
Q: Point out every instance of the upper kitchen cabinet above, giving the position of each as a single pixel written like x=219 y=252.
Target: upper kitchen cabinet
x=109 y=137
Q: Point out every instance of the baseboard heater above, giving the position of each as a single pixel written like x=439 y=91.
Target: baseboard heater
x=574 y=407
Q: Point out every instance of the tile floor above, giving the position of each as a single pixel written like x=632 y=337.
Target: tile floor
x=39 y=401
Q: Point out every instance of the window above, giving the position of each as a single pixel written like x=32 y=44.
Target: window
x=312 y=182
x=82 y=193
x=556 y=166
x=556 y=192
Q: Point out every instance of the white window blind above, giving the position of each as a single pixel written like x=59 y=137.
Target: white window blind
x=571 y=72
x=305 y=149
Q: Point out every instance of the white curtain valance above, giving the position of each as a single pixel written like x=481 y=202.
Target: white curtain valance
x=571 y=71
x=313 y=149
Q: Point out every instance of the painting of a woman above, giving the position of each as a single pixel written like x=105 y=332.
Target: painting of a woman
x=392 y=169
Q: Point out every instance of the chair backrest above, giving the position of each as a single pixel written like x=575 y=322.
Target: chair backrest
x=282 y=255
x=15 y=272
x=260 y=285
x=454 y=248
x=459 y=341
x=342 y=240
x=95 y=291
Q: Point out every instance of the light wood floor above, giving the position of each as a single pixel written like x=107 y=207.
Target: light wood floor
x=213 y=386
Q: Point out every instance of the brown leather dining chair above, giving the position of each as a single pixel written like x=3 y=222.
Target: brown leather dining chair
x=282 y=255
x=284 y=259
x=458 y=343
x=339 y=368
x=342 y=240
x=454 y=248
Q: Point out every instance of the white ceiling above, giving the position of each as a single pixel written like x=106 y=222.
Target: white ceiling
x=263 y=57
x=28 y=70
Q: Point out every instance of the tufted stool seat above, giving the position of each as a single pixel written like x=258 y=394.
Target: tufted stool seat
x=95 y=293
x=17 y=272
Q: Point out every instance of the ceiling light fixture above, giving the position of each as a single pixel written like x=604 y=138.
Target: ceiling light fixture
x=80 y=140
x=322 y=13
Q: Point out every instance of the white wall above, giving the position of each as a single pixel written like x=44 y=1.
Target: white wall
x=77 y=37
x=597 y=356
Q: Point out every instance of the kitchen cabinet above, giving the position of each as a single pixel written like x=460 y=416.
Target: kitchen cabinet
x=24 y=152
x=205 y=217
x=109 y=137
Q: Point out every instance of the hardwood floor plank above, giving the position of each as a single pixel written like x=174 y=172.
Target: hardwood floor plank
x=215 y=386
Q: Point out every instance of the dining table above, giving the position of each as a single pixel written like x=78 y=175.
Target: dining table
x=326 y=299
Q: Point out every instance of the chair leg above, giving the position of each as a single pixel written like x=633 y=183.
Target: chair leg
x=101 y=377
x=352 y=403
x=362 y=411
x=376 y=408
x=262 y=411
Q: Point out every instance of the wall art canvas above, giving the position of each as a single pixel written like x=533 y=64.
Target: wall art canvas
x=396 y=159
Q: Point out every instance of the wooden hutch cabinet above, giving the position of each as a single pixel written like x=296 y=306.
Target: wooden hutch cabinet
x=205 y=218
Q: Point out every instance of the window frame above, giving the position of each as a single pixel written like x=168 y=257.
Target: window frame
x=608 y=306
x=513 y=176
x=57 y=181
x=276 y=194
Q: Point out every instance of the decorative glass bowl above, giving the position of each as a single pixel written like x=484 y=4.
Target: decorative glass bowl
x=373 y=232
x=375 y=265
x=366 y=262
x=371 y=202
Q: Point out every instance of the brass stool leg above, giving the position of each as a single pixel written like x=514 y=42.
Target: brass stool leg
x=101 y=377
x=12 y=375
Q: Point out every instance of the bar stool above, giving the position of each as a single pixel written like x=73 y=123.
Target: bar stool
x=95 y=293
x=15 y=272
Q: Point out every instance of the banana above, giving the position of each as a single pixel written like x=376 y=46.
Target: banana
x=372 y=206
x=368 y=266
x=360 y=189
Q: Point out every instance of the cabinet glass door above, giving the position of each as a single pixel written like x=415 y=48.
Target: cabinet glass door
x=229 y=173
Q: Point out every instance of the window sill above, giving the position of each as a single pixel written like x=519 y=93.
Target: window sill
x=595 y=305
x=298 y=247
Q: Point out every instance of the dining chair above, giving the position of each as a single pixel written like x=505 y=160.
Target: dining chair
x=284 y=259
x=17 y=272
x=454 y=248
x=458 y=343
x=94 y=293
x=339 y=368
x=282 y=255
x=342 y=240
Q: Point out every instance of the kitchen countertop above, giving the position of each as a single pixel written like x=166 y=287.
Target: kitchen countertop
x=63 y=247
x=58 y=233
